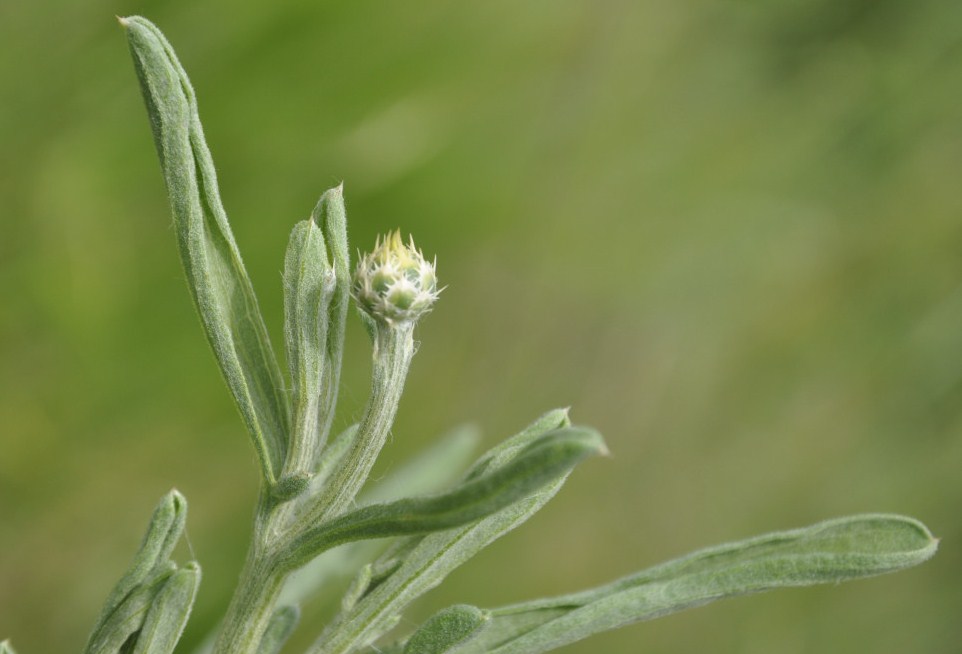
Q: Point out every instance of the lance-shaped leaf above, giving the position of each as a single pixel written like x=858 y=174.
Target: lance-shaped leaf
x=308 y=287
x=331 y=458
x=541 y=462
x=434 y=468
x=128 y=617
x=279 y=629
x=429 y=559
x=828 y=552
x=169 y=612
x=166 y=525
x=447 y=629
x=316 y=297
x=218 y=282
x=330 y=215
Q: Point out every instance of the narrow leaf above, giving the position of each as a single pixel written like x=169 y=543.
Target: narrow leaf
x=169 y=612
x=128 y=617
x=331 y=458
x=330 y=216
x=308 y=288
x=434 y=556
x=433 y=468
x=216 y=276
x=447 y=629
x=357 y=589
x=166 y=525
x=550 y=457
x=279 y=629
x=828 y=552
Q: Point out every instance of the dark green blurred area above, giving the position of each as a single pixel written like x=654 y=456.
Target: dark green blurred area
x=728 y=234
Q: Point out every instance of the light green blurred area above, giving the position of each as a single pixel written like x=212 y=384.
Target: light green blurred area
x=728 y=234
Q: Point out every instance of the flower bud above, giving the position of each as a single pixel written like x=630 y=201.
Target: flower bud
x=394 y=284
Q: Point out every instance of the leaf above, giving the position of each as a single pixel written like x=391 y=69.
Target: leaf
x=216 y=277
x=169 y=612
x=128 y=617
x=330 y=215
x=828 y=552
x=431 y=558
x=433 y=468
x=316 y=296
x=308 y=288
x=447 y=629
x=163 y=532
x=541 y=462
x=279 y=629
x=331 y=458
x=6 y=647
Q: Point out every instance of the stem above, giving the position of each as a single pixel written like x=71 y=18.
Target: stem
x=264 y=572
x=260 y=585
x=393 y=351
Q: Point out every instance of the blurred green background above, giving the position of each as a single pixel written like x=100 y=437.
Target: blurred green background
x=728 y=234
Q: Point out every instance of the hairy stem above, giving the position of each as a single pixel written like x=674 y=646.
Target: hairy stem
x=260 y=585
x=393 y=351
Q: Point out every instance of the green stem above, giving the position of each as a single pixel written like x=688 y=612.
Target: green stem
x=393 y=351
x=258 y=589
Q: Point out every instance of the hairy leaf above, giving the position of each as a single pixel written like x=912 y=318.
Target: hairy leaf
x=550 y=457
x=216 y=276
x=169 y=611
x=827 y=552
x=166 y=525
x=447 y=629
x=429 y=559
x=281 y=627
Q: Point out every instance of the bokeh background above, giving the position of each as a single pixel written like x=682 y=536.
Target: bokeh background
x=728 y=234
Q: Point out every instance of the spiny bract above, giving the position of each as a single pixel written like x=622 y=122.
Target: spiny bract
x=394 y=283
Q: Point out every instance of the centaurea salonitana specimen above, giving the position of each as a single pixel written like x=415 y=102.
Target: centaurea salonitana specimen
x=401 y=537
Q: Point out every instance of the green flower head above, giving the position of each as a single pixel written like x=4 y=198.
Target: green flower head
x=394 y=284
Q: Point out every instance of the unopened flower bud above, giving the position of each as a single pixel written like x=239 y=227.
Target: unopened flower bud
x=394 y=284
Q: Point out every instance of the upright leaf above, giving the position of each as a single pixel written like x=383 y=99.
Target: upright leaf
x=330 y=216
x=218 y=282
x=169 y=611
x=281 y=627
x=128 y=617
x=447 y=629
x=166 y=525
x=308 y=288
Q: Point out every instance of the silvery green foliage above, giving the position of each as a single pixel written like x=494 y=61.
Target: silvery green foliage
x=397 y=541
x=147 y=609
